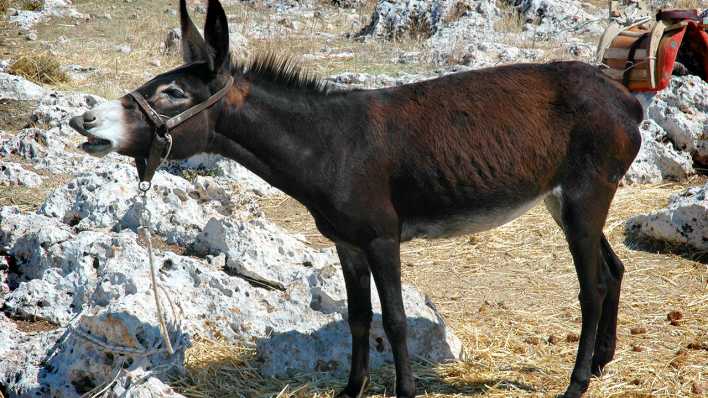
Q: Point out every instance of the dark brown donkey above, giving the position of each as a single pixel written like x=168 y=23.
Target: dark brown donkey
x=460 y=154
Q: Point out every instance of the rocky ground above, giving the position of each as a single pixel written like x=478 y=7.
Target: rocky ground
x=77 y=309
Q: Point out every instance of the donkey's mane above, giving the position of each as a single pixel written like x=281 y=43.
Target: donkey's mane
x=282 y=71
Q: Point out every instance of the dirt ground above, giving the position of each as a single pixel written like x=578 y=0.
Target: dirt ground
x=15 y=115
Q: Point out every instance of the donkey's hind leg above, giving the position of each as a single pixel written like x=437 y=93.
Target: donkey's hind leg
x=612 y=269
x=607 y=329
x=581 y=211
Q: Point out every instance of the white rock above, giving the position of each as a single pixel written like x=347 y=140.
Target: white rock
x=474 y=41
x=4 y=282
x=21 y=353
x=420 y=18
x=78 y=72
x=657 y=159
x=556 y=18
x=16 y=88
x=15 y=174
x=682 y=110
x=96 y=284
x=53 y=149
x=149 y=387
x=25 y=19
x=259 y=250
x=684 y=221
x=124 y=48
x=200 y=9
x=105 y=198
x=206 y=188
x=324 y=349
x=230 y=169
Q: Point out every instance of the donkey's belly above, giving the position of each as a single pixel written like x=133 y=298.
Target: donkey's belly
x=467 y=222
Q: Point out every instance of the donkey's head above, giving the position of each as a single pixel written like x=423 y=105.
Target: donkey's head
x=124 y=126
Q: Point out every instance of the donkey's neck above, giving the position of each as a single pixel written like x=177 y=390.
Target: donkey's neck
x=284 y=136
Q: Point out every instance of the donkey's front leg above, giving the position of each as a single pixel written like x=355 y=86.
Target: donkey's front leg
x=357 y=278
x=384 y=260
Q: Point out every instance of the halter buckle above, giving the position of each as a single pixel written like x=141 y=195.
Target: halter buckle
x=161 y=130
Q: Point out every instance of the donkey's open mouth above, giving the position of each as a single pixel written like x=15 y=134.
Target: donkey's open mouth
x=102 y=127
x=94 y=145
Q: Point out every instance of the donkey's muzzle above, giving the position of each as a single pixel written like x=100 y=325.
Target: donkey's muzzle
x=77 y=123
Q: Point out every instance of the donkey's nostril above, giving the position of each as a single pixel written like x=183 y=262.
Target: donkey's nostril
x=89 y=117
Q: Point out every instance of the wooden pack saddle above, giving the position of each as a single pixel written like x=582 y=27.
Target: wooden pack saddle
x=643 y=55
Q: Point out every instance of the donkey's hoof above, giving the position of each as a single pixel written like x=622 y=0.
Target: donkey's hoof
x=575 y=390
x=346 y=393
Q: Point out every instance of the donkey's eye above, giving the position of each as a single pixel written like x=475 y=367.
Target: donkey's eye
x=174 y=93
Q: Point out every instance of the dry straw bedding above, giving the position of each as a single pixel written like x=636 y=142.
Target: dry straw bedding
x=511 y=295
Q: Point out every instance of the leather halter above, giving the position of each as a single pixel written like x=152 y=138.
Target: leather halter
x=161 y=139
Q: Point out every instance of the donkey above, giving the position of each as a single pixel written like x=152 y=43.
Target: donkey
x=459 y=154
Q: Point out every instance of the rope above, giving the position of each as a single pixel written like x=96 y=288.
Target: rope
x=73 y=329
x=144 y=230
x=102 y=345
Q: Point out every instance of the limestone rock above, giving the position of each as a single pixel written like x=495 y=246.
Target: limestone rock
x=260 y=250
x=657 y=159
x=230 y=169
x=548 y=19
x=16 y=88
x=15 y=174
x=417 y=18
x=682 y=110
x=95 y=287
x=50 y=145
x=325 y=349
x=26 y=19
x=105 y=198
x=684 y=221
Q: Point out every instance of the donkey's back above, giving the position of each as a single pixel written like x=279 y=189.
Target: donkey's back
x=474 y=150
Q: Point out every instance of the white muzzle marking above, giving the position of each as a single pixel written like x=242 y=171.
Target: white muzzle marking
x=109 y=124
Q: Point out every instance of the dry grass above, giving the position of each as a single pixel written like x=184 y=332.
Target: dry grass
x=510 y=295
x=39 y=67
x=143 y=25
x=4 y=4
x=31 y=5
x=511 y=20
x=29 y=199
x=700 y=4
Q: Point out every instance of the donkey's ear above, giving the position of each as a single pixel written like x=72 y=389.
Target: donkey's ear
x=194 y=47
x=216 y=33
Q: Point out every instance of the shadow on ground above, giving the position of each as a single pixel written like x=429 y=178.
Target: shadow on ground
x=653 y=246
x=223 y=369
